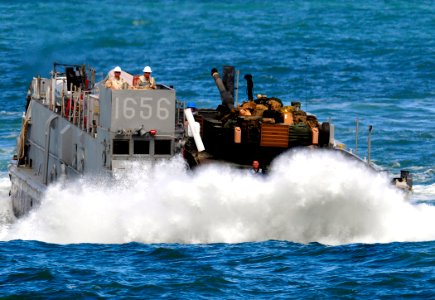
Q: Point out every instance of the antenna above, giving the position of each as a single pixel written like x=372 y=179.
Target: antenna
x=305 y=83
x=237 y=87
x=356 y=136
x=369 y=143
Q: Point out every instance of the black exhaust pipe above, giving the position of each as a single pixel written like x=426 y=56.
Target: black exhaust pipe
x=226 y=97
x=249 y=86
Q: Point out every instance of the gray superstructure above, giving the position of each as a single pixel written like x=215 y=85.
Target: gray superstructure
x=75 y=127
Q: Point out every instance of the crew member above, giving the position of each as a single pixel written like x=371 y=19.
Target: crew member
x=116 y=82
x=146 y=81
x=256 y=168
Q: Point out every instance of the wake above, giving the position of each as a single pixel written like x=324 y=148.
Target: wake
x=307 y=197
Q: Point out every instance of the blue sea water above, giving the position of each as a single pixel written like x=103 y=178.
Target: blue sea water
x=319 y=229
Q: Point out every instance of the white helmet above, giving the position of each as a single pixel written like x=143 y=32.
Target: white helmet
x=117 y=69
x=147 y=69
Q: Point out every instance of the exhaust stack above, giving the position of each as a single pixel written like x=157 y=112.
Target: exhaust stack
x=249 y=86
x=226 y=96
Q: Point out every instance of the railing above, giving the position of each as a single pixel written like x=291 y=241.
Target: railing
x=80 y=107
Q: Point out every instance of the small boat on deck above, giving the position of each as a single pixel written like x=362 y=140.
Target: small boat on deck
x=74 y=126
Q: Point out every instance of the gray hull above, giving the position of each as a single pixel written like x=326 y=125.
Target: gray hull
x=26 y=191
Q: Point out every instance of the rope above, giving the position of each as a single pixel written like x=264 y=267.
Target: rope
x=22 y=138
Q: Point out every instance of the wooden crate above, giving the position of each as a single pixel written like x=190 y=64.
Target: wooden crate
x=274 y=135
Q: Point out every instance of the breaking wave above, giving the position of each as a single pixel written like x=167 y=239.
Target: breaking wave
x=307 y=197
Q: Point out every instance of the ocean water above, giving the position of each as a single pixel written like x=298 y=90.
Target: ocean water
x=318 y=227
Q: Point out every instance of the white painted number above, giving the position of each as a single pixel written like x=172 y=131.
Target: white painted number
x=162 y=112
x=146 y=108
x=129 y=111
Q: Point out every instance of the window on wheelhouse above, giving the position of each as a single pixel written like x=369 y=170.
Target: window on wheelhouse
x=162 y=147
x=121 y=147
x=141 y=147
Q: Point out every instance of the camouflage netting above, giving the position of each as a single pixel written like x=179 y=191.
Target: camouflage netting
x=250 y=116
x=272 y=108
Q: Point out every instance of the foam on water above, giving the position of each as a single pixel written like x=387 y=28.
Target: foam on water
x=6 y=216
x=424 y=192
x=308 y=197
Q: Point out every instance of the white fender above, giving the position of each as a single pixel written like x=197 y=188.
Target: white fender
x=194 y=129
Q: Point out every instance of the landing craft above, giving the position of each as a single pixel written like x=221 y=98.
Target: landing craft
x=74 y=126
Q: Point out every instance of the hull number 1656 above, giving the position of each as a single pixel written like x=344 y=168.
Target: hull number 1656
x=144 y=108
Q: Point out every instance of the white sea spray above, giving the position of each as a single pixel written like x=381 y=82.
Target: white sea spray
x=307 y=197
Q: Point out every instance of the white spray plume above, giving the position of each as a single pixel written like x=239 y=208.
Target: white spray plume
x=309 y=196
